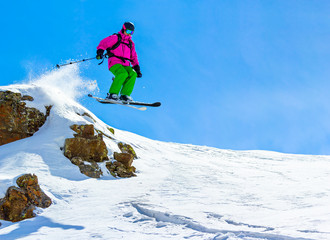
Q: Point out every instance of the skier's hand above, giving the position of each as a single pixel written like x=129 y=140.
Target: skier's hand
x=138 y=71
x=99 y=54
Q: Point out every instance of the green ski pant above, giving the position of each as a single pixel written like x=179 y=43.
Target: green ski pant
x=124 y=80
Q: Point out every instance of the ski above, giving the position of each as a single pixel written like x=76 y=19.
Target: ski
x=155 y=104
x=105 y=101
x=128 y=104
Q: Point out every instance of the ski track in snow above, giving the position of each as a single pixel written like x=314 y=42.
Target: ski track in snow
x=181 y=191
x=220 y=234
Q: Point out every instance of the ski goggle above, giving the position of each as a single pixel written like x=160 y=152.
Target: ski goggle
x=129 y=31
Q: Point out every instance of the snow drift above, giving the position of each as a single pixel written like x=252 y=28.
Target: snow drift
x=180 y=192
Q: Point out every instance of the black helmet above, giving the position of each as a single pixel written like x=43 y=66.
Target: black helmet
x=129 y=26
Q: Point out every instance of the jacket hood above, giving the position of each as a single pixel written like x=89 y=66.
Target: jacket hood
x=125 y=37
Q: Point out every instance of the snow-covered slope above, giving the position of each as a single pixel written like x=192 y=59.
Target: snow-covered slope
x=180 y=192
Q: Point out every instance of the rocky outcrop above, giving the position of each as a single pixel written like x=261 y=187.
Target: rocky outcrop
x=90 y=169
x=126 y=148
x=16 y=120
x=122 y=167
x=36 y=196
x=86 y=149
x=125 y=158
x=117 y=169
x=86 y=145
x=19 y=202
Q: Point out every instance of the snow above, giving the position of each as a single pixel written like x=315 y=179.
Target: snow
x=181 y=191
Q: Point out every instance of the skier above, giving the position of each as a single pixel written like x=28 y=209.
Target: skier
x=121 y=51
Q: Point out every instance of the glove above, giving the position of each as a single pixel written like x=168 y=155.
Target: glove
x=99 y=54
x=138 y=71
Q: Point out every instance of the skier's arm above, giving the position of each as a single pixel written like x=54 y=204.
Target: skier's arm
x=134 y=57
x=107 y=42
x=135 y=62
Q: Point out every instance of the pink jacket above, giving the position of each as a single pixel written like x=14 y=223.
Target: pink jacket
x=122 y=50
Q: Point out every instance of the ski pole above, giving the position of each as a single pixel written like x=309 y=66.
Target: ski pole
x=83 y=60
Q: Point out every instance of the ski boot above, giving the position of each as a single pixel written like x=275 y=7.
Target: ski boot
x=112 y=96
x=126 y=99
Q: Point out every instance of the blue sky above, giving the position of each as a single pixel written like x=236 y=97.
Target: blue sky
x=241 y=75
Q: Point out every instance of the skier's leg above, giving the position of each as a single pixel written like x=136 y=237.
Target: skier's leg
x=130 y=81
x=120 y=77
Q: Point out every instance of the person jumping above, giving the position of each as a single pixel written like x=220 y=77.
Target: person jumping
x=121 y=55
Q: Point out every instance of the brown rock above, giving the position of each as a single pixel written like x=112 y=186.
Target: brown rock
x=15 y=206
x=19 y=203
x=2 y=214
x=90 y=169
x=126 y=148
x=118 y=169
x=85 y=131
x=36 y=196
x=124 y=158
x=77 y=161
x=48 y=108
x=27 y=98
x=132 y=169
x=10 y=96
x=16 y=120
x=85 y=148
x=27 y=180
x=86 y=145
